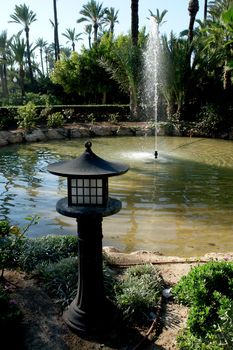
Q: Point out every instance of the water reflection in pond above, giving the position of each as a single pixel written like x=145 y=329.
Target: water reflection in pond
x=180 y=204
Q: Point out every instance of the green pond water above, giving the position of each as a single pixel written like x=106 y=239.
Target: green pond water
x=179 y=204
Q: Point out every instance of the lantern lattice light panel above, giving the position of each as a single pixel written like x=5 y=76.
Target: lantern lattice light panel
x=87 y=191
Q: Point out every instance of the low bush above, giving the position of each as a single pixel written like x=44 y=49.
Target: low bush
x=27 y=116
x=55 y=120
x=138 y=293
x=208 y=291
x=10 y=245
x=46 y=249
x=59 y=279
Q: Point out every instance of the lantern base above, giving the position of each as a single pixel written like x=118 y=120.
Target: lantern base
x=93 y=322
x=113 y=206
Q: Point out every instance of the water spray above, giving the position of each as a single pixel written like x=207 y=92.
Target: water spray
x=151 y=57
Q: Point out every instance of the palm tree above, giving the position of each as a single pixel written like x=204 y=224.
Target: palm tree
x=88 y=31
x=49 y=58
x=93 y=12
x=42 y=45
x=134 y=21
x=158 y=16
x=177 y=74
x=18 y=48
x=218 y=39
x=205 y=9
x=72 y=37
x=215 y=8
x=111 y=18
x=55 y=26
x=4 y=50
x=124 y=67
x=25 y=17
x=193 y=8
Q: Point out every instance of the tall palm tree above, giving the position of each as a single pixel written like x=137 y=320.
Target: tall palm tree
x=111 y=18
x=24 y=16
x=18 y=48
x=93 y=12
x=49 y=58
x=88 y=31
x=205 y=9
x=218 y=39
x=134 y=21
x=158 y=16
x=56 y=36
x=124 y=67
x=4 y=49
x=42 y=45
x=193 y=8
x=215 y=8
x=72 y=37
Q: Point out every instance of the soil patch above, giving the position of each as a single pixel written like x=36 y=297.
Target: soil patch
x=43 y=327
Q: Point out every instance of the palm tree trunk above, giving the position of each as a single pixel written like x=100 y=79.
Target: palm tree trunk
x=205 y=10
x=41 y=60
x=95 y=26
x=89 y=40
x=21 y=76
x=56 y=39
x=5 y=79
x=193 y=9
x=29 y=55
x=134 y=21
x=3 y=76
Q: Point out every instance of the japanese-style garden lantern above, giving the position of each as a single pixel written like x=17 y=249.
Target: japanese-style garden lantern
x=88 y=201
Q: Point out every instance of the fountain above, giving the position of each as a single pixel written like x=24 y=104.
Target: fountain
x=180 y=204
x=150 y=79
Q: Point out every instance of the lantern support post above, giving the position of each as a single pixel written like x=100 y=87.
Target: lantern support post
x=91 y=312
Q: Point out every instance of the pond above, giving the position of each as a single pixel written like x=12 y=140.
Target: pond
x=179 y=204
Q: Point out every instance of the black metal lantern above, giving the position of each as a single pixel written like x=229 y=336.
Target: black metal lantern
x=88 y=202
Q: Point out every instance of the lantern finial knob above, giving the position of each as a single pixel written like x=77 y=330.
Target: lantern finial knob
x=88 y=145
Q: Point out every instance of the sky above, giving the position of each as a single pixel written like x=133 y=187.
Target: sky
x=177 y=18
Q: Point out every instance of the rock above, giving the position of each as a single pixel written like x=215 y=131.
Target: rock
x=79 y=132
x=15 y=137
x=35 y=136
x=56 y=134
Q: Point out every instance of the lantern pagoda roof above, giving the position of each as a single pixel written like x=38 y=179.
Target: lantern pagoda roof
x=87 y=165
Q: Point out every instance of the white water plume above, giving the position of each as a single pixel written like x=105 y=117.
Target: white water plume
x=151 y=58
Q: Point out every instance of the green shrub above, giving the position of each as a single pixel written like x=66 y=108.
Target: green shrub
x=59 y=279
x=210 y=119
x=46 y=249
x=27 y=116
x=55 y=120
x=208 y=290
x=10 y=242
x=138 y=293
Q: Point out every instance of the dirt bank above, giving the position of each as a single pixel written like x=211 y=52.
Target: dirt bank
x=44 y=328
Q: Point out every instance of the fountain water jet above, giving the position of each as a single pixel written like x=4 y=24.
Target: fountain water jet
x=151 y=76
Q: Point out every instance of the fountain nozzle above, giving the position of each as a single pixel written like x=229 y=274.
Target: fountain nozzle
x=156 y=154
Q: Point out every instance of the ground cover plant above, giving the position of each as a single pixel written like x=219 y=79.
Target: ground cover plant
x=52 y=261
x=208 y=291
x=137 y=291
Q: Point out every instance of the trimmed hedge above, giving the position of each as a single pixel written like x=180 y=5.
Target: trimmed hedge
x=71 y=113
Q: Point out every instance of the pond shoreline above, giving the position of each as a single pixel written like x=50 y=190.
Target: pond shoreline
x=79 y=130
x=88 y=130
